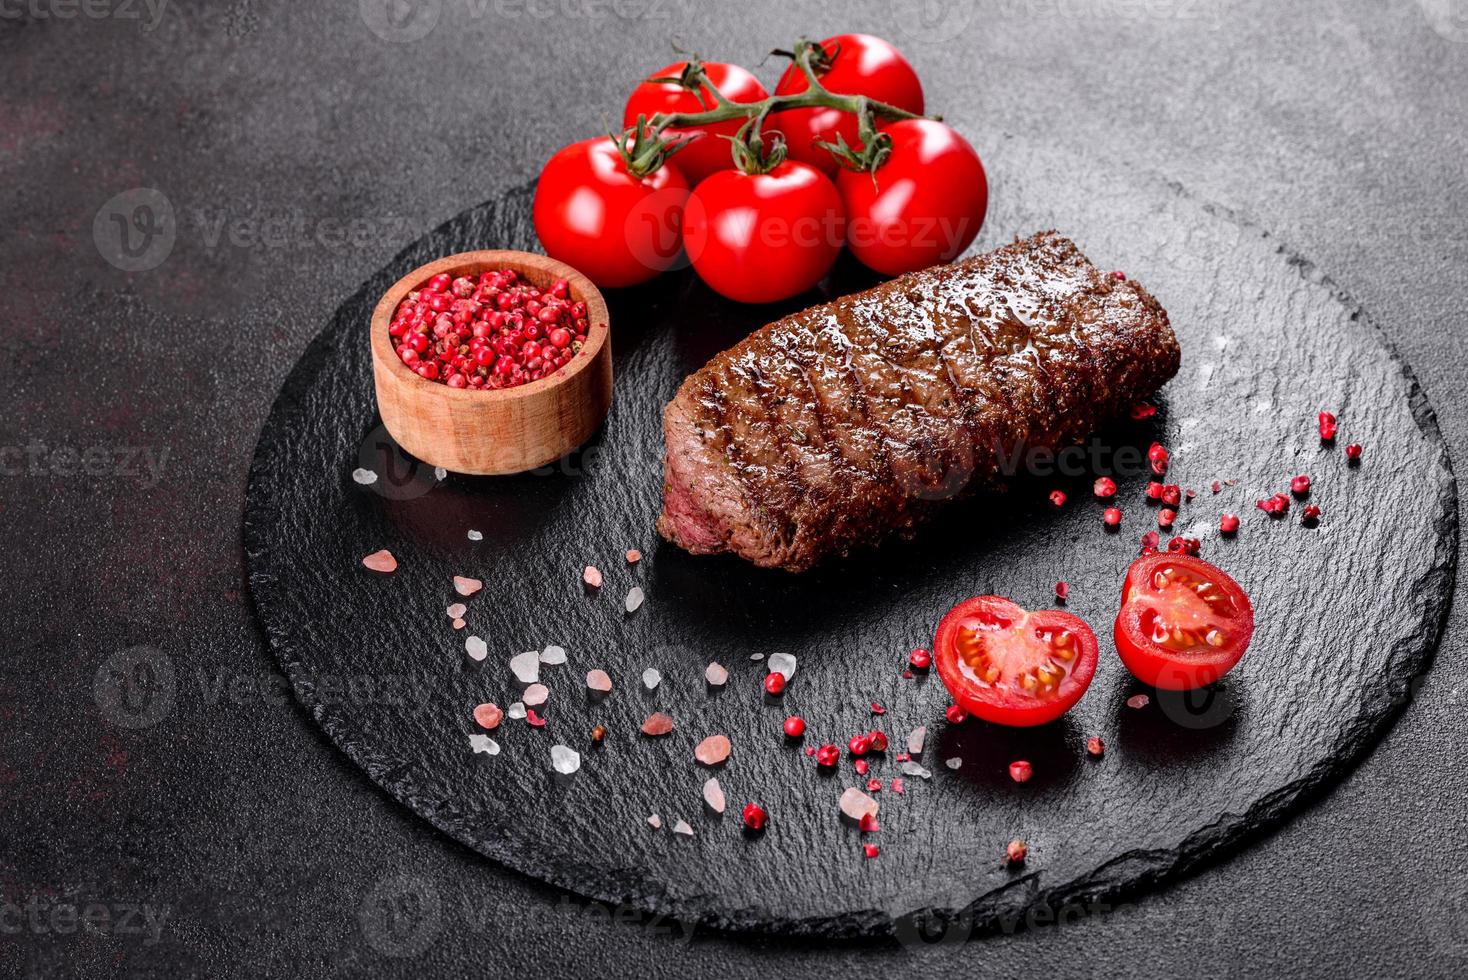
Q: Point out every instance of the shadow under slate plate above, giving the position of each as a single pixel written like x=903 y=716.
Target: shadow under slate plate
x=1348 y=612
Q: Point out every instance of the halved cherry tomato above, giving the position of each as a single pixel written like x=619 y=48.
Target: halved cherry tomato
x=1013 y=666
x=1183 y=623
x=859 y=64
x=661 y=92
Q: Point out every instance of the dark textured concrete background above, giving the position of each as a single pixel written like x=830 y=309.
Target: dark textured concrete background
x=1343 y=126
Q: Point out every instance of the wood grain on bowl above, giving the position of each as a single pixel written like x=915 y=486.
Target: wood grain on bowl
x=508 y=430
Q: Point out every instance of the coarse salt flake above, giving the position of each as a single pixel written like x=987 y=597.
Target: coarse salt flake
x=651 y=678
x=913 y=769
x=516 y=710
x=716 y=674
x=855 y=804
x=381 y=561
x=565 y=761
x=916 y=739
x=712 y=750
x=475 y=647
x=475 y=536
x=483 y=743
x=681 y=827
x=526 y=666
x=439 y=473
x=598 y=680
x=488 y=715
x=953 y=763
x=536 y=694
x=592 y=577
x=713 y=795
x=553 y=655
x=633 y=556
x=364 y=476
x=782 y=663
x=634 y=599
x=467 y=586
x=655 y=822
x=457 y=610
x=1138 y=701
x=657 y=723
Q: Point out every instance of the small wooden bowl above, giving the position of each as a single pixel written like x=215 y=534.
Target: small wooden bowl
x=508 y=430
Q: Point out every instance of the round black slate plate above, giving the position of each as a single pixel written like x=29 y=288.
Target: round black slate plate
x=1348 y=611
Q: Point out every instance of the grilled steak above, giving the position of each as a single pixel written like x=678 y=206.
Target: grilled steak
x=844 y=423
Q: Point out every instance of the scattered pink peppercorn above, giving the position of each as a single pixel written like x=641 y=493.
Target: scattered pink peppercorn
x=1105 y=487
x=795 y=726
x=859 y=745
x=877 y=708
x=1154 y=490
x=1095 y=748
x=1057 y=498
x=955 y=715
x=1111 y=517
x=1016 y=851
x=1159 y=457
x=871 y=850
x=1119 y=276
x=1142 y=410
x=775 y=683
x=828 y=755
x=1062 y=590
x=898 y=786
x=1229 y=523
x=1149 y=542
x=874 y=785
x=754 y=816
x=1300 y=485
x=1215 y=486
x=878 y=741
x=1020 y=771
x=1310 y=515
x=1353 y=452
x=861 y=766
x=920 y=659
x=1166 y=516
x=1172 y=495
x=1185 y=546
x=868 y=822
x=533 y=720
x=1327 y=427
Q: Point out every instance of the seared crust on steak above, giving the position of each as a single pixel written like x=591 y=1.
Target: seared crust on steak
x=837 y=426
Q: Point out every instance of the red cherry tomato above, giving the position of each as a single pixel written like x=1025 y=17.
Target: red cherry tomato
x=708 y=153
x=860 y=65
x=616 y=228
x=1183 y=623
x=925 y=205
x=758 y=238
x=1012 y=666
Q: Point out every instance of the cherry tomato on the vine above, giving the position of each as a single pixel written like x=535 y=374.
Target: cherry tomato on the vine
x=617 y=228
x=1013 y=666
x=709 y=152
x=923 y=206
x=758 y=238
x=859 y=65
x=1183 y=623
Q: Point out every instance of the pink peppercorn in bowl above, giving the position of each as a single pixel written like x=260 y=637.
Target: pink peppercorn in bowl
x=510 y=423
